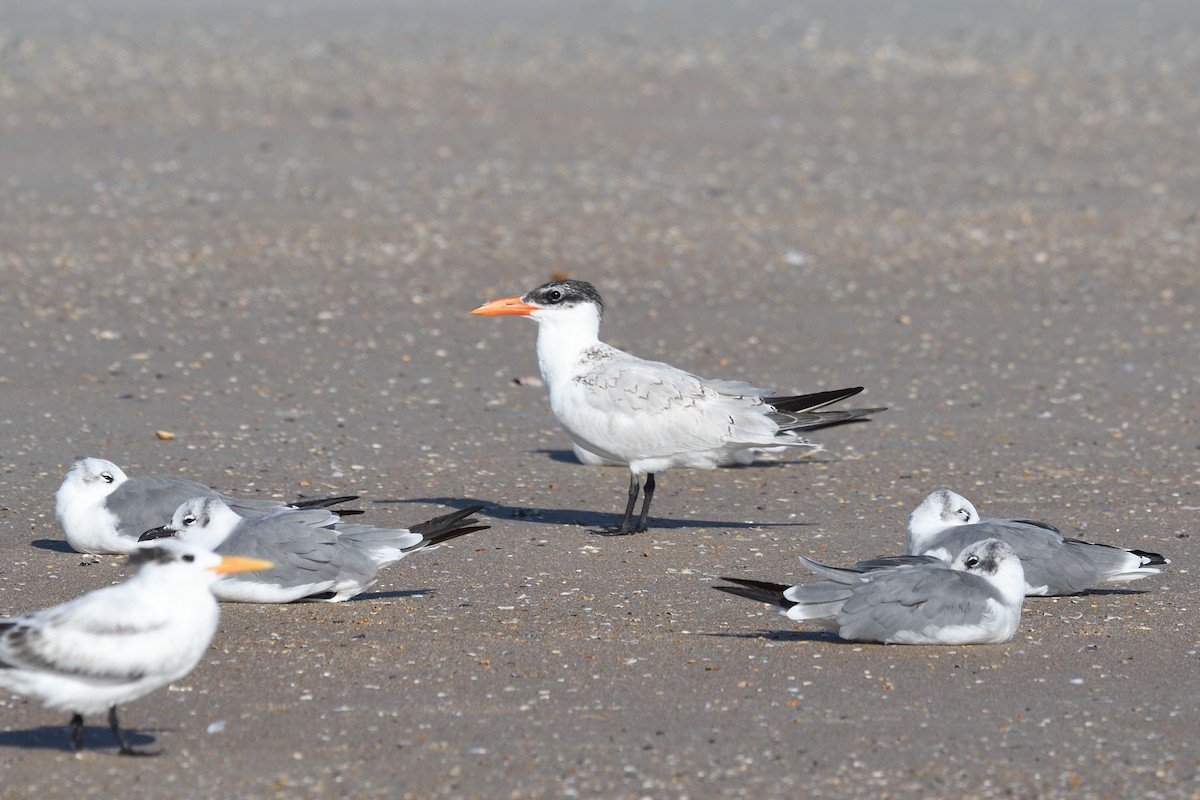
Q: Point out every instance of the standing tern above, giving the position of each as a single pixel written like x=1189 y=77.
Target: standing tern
x=316 y=556
x=976 y=599
x=945 y=523
x=103 y=510
x=648 y=415
x=116 y=644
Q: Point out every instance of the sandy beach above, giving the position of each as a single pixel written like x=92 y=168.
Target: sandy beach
x=239 y=242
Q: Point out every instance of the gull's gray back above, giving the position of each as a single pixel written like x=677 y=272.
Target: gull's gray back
x=140 y=504
x=301 y=543
x=911 y=599
x=1062 y=566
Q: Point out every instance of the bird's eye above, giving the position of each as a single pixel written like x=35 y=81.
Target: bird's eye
x=554 y=296
x=106 y=477
x=972 y=561
x=963 y=514
x=189 y=520
x=189 y=558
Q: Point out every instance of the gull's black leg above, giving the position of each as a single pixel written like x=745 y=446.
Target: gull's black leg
x=76 y=732
x=641 y=526
x=626 y=527
x=115 y=727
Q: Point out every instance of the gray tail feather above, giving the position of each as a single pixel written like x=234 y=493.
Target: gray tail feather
x=450 y=526
x=761 y=591
x=841 y=575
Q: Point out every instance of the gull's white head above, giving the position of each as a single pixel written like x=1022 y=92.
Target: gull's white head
x=204 y=521
x=941 y=510
x=995 y=561
x=91 y=478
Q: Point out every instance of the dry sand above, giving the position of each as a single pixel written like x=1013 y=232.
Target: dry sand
x=258 y=228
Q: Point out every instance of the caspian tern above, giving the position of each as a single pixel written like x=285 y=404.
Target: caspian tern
x=103 y=510
x=945 y=523
x=316 y=555
x=648 y=415
x=116 y=644
x=976 y=599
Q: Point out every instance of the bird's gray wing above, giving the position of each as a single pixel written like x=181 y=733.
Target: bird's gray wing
x=369 y=537
x=256 y=506
x=1050 y=566
x=81 y=638
x=891 y=562
x=149 y=502
x=305 y=517
x=382 y=546
x=1034 y=523
x=1032 y=543
x=671 y=410
x=22 y=646
x=252 y=506
x=1078 y=565
x=913 y=599
x=140 y=504
x=303 y=553
x=846 y=575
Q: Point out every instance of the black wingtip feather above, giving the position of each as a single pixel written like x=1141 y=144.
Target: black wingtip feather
x=442 y=538
x=449 y=526
x=1039 y=524
x=762 y=591
x=327 y=502
x=1151 y=559
x=446 y=520
x=891 y=562
x=811 y=402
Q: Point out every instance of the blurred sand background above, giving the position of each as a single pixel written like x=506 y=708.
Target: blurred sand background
x=238 y=243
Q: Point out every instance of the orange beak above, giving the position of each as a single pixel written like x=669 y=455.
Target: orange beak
x=232 y=564
x=510 y=306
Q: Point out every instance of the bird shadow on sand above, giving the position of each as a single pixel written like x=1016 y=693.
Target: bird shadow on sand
x=54 y=737
x=1089 y=593
x=782 y=636
x=398 y=594
x=585 y=519
x=56 y=545
x=561 y=456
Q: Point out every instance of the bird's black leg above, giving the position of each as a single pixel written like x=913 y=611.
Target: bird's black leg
x=115 y=727
x=75 y=732
x=626 y=527
x=641 y=526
